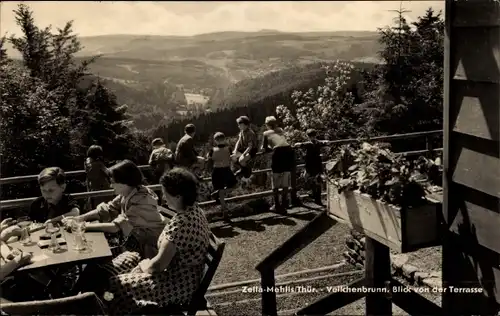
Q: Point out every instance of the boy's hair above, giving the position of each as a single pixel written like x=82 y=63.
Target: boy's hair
x=219 y=136
x=51 y=174
x=271 y=121
x=126 y=172
x=181 y=182
x=311 y=132
x=243 y=120
x=157 y=142
x=95 y=152
x=190 y=129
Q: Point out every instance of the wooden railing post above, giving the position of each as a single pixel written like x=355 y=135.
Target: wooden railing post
x=293 y=182
x=377 y=274
x=268 y=284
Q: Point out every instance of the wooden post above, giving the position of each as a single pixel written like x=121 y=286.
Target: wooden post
x=293 y=179
x=377 y=273
x=268 y=294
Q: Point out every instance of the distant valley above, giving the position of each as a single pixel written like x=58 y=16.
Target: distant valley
x=177 y=74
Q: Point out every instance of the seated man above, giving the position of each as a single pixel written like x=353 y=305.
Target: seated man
x=54 y=204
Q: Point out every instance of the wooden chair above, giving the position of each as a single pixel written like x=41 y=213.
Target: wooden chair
x=81 y=304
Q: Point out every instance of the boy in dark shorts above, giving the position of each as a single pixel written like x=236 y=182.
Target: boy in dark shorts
x=246 y=148
x=281 y=162
x=161 y=159
x=314 y=164
x=223 y=179
x=54 y=204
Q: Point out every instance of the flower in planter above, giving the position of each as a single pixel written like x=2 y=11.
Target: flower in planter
x=108 y=296
x=375 y=170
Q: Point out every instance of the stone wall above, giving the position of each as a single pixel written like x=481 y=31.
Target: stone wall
x=401 y=267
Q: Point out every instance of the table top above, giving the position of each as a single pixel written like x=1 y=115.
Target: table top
x=99 y=249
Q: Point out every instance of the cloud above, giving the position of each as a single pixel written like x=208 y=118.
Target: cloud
x=188 y=18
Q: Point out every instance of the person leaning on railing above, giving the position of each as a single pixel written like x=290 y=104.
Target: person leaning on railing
x=314 y=163
x=186 y=155
x=282 y=163
x=161 y=159
x=245 y=149
x=97 y=175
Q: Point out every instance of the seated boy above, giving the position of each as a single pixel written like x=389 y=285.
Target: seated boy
x=223 y=179
x=186 y=155
x=314 y=164
x=161 y=159
x=246 y=147
x=54 y=204
x=282 y=162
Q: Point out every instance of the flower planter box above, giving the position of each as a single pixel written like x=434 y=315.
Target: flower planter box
x=401 y=229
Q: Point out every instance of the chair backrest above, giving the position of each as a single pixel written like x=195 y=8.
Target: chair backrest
x=81 y=304
x=214 y=255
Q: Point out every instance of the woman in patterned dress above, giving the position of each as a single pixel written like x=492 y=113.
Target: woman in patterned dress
x=174 y=274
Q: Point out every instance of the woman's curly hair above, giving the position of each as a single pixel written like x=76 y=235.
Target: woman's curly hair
x=181 y=182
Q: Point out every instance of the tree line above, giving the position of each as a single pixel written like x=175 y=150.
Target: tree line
x=53 y=108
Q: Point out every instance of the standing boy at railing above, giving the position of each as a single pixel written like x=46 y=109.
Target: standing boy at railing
x=223 y=179
x=54 y=204
x=186 y=155
x=245 y=149
x=281 y=162
x=161 y=159
x=314 y=164
x=97 y=175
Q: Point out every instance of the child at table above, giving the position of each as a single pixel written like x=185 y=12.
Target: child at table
x=133 y=213
x=54 y=204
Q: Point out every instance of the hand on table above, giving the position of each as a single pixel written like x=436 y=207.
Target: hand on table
x=6 y=223
x=67 y=220
x=10 y=231
x=23 y=258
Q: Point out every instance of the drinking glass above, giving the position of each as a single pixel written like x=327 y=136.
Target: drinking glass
x=25 y=222
x=78 y=230
x=52 y=229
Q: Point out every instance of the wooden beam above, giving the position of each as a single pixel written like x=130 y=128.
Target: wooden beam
x=412 y=302
x=334 y=301
x=307 y=234
x=268 y=283
x=377 y=276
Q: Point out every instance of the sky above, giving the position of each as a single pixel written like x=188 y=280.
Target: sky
x=189 y=18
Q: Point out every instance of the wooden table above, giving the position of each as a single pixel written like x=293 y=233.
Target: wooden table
x=44 y=258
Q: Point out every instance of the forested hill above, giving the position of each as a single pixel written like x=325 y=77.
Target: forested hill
x=255 y=98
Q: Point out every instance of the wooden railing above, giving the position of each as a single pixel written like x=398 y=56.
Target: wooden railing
x=20 y=179
x=17 y=203
x=309 y=233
